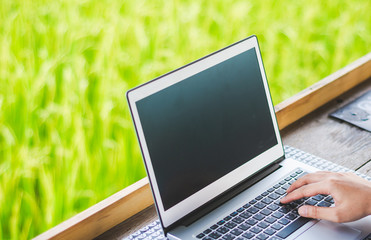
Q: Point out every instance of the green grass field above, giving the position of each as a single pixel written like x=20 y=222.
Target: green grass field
x=66 y=137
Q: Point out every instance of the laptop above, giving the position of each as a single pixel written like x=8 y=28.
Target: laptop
x=214 y=155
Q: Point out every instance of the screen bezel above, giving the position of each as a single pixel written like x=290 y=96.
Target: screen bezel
x=198 y=199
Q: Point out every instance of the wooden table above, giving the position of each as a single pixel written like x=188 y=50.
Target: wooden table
x=304 y=123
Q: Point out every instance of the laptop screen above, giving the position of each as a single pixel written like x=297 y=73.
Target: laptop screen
x=207 y=125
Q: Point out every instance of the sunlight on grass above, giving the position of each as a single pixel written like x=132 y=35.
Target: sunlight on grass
x=66 y=137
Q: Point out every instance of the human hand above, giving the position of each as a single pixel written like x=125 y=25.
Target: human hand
x=351 y=193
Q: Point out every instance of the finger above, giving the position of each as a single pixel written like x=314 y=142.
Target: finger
x=307 y=179
x=326 y=213
x=306 y=191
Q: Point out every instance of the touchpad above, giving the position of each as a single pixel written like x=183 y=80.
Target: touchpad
x=328 y=230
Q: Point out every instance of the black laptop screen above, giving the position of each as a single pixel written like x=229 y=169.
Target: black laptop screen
x=205 y=126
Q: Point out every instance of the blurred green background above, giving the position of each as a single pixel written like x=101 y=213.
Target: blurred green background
x=66 y=137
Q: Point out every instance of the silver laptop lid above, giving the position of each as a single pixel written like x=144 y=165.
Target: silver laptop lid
x=205 y=127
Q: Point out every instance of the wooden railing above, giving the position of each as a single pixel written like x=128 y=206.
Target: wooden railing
x=133 y=199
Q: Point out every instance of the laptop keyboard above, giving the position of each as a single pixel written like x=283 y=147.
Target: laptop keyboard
x=264 y=217
x=152 y=231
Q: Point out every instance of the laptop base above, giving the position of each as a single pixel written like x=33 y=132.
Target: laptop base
x=154 y=230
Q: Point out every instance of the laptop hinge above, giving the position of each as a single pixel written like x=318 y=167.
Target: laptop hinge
x=226 y=196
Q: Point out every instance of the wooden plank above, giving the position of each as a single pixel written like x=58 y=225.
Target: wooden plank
x=366 y=169
x=331 y=139
x=124 y=204
x=131 y=225
x=323 y=91
x=104 y=215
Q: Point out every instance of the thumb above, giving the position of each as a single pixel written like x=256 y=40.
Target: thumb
x=326 y=213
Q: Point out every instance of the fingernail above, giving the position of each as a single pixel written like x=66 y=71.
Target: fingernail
x=303 y=211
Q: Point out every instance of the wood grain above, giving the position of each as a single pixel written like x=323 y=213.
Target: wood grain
x=332 y=139
x=104 y=215
x=366 y=169
x=323 y=91
x=131 y=225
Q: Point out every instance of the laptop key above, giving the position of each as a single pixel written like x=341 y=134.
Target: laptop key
x=263 y=224
x=270 y=220
x=262 y=236
x=284 y=209
x=248 y=235
x=284 y=221
x=251 y=221
x=255 y=230
x=244 y=226
x=207 y=231
x=311 y=202
x=240 y=210
x=221 y=222
x=277 y=214
x=253 y=210
x=266 y=211
x=267 y=201
x=280 y=191
x=214 y=226
x=223 y=230
x=293 y=175
x=273 y=207
x=260 y=205
x=247 y=205
x=329 y=199
x=236 y=232
x=227 y=218
x=253 y=201
x=292 y=205
x=230 y=225
x=201 y=235
x=290 y=216
x=234 y=214
x=207 y=238
x=269 y=231
x=260 y=197
x=324 y=204
x=318 y=197
x=228 y=236
x=274 y=196
x=238 y=220
x=258 y=216
x=277 y=226
x=292 y=227
x=299 y=201
x=215 y=235
x=245 y=215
